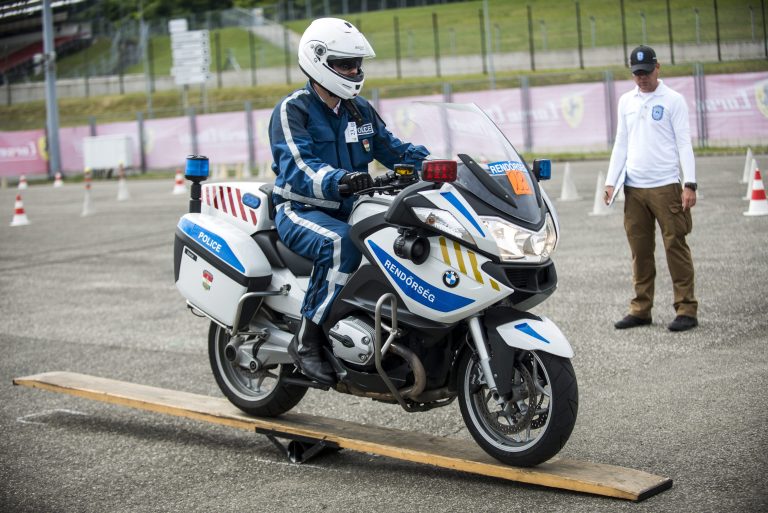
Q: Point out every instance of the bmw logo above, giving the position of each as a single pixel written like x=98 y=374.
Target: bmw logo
x=450 y=278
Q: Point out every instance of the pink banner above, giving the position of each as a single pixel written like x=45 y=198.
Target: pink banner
x=569 y=117
x=71 y=148
x=504 y=107
x=223 y=138
x=167 y=142
x=394 y=112
x=23 y=153
x=263 y=153
x=736 y=109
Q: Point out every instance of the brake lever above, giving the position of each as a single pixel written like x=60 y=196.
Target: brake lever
x=371 y=190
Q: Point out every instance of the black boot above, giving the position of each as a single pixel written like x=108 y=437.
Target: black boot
x=306 y=349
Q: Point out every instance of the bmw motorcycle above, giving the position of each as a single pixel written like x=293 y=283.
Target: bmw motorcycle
x=439 y=309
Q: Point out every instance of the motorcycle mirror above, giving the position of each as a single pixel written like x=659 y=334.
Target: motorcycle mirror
x=542 y=169
x=439 y=171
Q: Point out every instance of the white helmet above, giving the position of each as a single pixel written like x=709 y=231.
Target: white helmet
x=329 y=39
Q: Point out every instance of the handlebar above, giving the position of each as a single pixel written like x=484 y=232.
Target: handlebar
x=386 y=184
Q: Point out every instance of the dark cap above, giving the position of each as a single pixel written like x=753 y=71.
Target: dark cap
x=643 y=58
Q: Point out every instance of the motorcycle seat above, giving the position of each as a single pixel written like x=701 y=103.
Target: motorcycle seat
x=298 y=265
x=280 y=256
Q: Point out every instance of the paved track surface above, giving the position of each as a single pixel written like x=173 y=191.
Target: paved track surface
x=96 y=295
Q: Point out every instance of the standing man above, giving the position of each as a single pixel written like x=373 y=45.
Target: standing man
x=653 y=141
x=323 y=137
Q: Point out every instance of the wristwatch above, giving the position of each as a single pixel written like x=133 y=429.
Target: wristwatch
x=691 y=185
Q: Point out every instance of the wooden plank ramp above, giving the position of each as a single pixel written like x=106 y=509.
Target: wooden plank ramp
x=461 y=455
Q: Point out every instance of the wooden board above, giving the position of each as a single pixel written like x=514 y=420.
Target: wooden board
x=462 y=455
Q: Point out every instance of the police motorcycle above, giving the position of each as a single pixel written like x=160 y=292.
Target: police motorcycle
x=439 y=308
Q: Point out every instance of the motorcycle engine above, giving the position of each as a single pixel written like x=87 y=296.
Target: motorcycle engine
x=352 y=340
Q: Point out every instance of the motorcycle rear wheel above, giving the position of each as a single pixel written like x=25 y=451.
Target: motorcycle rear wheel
x=533 y=427
x=263 y=392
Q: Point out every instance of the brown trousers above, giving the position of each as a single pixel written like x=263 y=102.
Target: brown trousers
x=642 y=209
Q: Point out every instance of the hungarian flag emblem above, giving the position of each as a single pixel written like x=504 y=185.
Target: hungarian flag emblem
x=207 y=280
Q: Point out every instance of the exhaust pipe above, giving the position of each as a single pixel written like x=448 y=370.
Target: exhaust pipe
x=419 y=374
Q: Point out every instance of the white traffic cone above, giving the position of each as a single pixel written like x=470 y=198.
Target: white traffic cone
x=752 y=169
x=758 y=205
x=122 y=187
x=57 y=181
x=19 y=216
x=568 y=191
x=600 y=208
x=746 y=176
x=87 y=206
x=22 y=182
x=178 y=186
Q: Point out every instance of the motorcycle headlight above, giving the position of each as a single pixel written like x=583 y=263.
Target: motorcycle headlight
x=517 y=243
x=444 y=221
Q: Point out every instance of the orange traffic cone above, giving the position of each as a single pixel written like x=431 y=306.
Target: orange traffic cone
x=758 y=204
x=57 y=181
x=22 y=182
x=19 y=216
x=178 y=186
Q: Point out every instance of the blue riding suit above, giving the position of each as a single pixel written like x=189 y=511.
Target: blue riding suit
x=311 y=154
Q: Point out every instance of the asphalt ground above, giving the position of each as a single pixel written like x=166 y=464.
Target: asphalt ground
x=96 y=295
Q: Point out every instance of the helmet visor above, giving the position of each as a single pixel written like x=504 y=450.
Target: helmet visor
x=345 y=64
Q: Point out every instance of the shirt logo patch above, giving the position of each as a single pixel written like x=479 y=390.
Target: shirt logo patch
x=366 y=129
x=658 y=112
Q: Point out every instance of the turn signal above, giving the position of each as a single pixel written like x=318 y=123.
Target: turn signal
x=438 y=171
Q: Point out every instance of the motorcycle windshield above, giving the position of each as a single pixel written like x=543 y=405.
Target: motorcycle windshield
x=452 y=129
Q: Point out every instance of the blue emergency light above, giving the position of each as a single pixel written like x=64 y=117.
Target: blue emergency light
x=542 y=169
x=196 y=172
x=197 y=167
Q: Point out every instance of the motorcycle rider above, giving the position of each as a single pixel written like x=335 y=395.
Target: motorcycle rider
x=322 y=137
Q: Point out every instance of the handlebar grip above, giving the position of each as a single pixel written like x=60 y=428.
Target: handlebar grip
x=344 y=188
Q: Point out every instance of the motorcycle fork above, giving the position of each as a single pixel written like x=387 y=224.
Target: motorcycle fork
x=481 y=347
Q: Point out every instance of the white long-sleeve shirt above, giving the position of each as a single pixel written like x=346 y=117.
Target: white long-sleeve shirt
x=653 y=140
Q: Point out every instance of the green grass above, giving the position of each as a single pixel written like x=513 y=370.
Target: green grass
x=75 y=65
x=459 y=25
x=232 y=39
x=459 y=30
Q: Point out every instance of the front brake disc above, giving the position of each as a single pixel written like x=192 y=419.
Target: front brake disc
x=516 y=419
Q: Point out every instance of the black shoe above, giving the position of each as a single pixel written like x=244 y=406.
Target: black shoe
x=306 y=349
x=683 y=323
x=630 y=321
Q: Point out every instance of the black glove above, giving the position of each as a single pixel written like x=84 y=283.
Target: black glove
x=354 y=182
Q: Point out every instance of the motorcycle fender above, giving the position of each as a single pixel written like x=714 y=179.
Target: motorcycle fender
x=535 y=335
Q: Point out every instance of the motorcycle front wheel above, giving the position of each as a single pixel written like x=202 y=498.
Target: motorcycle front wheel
x=262 y=392
x=534 y=422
